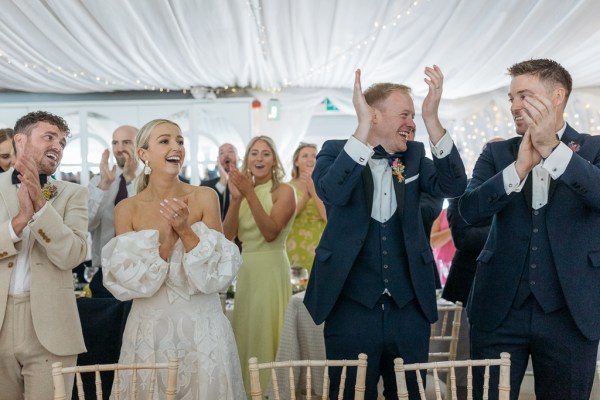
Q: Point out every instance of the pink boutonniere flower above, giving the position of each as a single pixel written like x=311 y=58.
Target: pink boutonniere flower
x=49 y=191
x=398 y=170
x=573 y=146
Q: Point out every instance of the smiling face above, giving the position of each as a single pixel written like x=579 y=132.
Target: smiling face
x=44 y=145
x=227 y=156
x=260 y=161
x=528 y=85
x=123 y=144
x=7 y=155
x=395 y=122
x=165 y=152
x=307 y=157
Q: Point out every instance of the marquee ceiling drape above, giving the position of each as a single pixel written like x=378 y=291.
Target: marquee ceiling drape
x=300 y=46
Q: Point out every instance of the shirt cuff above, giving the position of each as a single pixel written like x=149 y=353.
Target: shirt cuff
x=511 y=180
x=358 y=151
x=220 y=187
x=443 y=147
x=557 y=161
x=12 y=233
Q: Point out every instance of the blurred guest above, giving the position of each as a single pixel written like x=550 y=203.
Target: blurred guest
x=310 y=211
x=372 y=281
x=106 y=190
x=261 y=214
x=169 y=236
x=228 y=158
x=42 y=237
x=442 y=245
x=7 y=152
x=536 y=290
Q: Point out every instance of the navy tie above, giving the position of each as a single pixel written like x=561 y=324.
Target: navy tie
x=122 y=193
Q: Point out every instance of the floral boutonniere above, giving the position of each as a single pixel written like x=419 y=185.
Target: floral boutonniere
x=49 y=191
x=398 y=170
x=574 y=146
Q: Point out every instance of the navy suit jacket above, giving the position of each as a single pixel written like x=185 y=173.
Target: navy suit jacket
x=572 y=220
x=348 y=196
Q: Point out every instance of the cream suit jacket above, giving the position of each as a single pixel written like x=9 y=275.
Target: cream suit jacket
x=58 y=244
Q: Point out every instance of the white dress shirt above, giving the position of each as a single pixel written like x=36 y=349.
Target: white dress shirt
x=20 y=279
x=553 y=166
x=384 y=196
x=101 y=213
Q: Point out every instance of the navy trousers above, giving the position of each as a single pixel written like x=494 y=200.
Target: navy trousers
x=563 y=359
x=384 y=333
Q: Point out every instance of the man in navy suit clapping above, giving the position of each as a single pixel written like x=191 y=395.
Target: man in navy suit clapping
x=372 y=281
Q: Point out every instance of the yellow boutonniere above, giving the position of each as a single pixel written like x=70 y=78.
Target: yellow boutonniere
x=49 y=191
x=398 y=170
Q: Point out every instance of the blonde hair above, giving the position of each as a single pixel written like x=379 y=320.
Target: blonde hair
x=278 y=171
x=295 y=169
x=379 y=92
x=142 y=140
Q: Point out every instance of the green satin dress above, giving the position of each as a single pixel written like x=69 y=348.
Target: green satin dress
x=263 y=289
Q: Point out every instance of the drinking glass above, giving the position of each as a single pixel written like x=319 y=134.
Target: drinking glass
x=89 y=272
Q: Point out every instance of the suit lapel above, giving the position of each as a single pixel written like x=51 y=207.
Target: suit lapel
x=8 y=193
x=369 y=188
x=399 y=189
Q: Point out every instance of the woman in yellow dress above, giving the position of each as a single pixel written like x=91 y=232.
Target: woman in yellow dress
x=260 y=214
x=310 y=211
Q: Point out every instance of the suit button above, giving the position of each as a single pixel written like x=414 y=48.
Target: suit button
x=385 y=252
x=532 y=283
x=385 y=280
x=533 y=266
x=40 y=231
x=535 y=230
x=385 y=266
x=536 y=212
x=383 y=238
x=10 y=264
x=534 y=248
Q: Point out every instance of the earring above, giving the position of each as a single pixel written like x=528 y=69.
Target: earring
x=147 y=169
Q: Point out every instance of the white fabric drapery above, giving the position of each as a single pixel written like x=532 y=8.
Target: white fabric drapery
x=303 y=51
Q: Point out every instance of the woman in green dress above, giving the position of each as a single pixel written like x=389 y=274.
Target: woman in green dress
x=260 y=214
x=310 y=211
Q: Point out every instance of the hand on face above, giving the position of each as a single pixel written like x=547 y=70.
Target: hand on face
x=366 y=114
x=176 y=212
x=527 y=157
x=107 y=175
x=29 y=176
x=540 y=117
x=130 y=165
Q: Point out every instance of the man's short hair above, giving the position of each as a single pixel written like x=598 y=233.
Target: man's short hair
x=26 y=123
x=548 y=71
x=378 y=92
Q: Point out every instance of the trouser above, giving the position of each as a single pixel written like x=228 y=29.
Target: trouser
x=25 y=365
x=384 y=333
x=563 y=359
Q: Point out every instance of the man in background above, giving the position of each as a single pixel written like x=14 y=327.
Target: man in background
x=228 y=156
x=112 y=185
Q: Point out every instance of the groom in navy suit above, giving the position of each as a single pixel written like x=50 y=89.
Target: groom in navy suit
x=537 y=286
x=372 y=280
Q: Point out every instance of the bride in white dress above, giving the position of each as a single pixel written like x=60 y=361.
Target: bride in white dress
x=171 y=258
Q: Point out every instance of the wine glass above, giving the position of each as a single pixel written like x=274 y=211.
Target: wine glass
x=88 y=273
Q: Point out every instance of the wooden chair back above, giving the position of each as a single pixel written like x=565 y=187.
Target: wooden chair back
x=446 y=331
x=60 y=392
x=359 y=388
x=503 y=387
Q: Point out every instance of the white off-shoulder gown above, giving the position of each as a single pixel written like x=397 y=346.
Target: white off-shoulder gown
x=176 y=311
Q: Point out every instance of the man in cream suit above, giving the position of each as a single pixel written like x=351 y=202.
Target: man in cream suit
x=43 y=231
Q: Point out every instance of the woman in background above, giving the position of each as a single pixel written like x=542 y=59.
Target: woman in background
x=260 y=214
x=171 y=257
x=7 y=152
x=310 y=211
